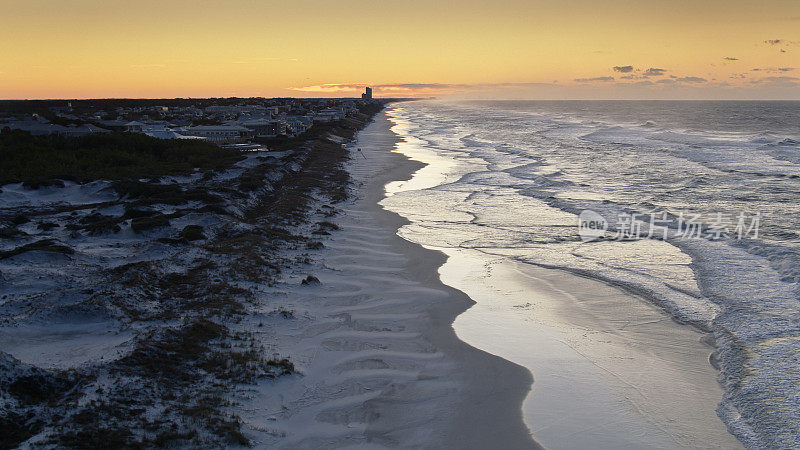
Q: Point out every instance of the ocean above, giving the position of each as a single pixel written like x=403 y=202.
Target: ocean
x=699 y=204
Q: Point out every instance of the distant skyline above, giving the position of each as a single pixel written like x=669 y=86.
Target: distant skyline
x=578 y=49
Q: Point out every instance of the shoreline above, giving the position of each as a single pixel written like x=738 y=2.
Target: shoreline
x=628 y=372
x=372 y=340
x=612 y=368
x=486 y=417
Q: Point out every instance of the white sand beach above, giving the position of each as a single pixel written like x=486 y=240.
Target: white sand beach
x=544 y=356
x=395 y=344
x=381 y=364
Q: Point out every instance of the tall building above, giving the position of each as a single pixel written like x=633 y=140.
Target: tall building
x=367 y=95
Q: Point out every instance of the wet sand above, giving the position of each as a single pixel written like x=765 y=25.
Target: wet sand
x=482 y=413
x=611 y=369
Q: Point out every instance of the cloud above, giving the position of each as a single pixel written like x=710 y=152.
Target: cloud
x=422 y=88
x=351 y=87
x=416 y=86
x=623 y=69
x=654 y=72
x=691 y=80
x=589 y=80
x=730 y=58
x=782 y=43
x=782 y=81
x=675 y=80
x=784 y=78
x=772 y=69
x=330 y=87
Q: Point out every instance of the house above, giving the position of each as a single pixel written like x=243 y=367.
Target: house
x=329 y=114
x=161 y=131
x=134 y=127
x=114 y=125
x=298 y=124
x=265 y=127
x=164 y=133
x=83 y=130
x=35 y=127
x=220 y=134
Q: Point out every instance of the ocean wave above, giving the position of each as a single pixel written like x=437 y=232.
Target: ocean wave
x=542 y=169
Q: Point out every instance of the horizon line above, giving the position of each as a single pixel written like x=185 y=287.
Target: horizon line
x=45 y=99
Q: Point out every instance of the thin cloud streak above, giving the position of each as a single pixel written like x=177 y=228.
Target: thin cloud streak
x=782 y=81
x=409 y=87
x=660 y=85
x=691 y=80
x=654 y=72
x=589 y=80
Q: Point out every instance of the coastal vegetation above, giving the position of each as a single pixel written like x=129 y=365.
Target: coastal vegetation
x=190 y=301
x=37 y=160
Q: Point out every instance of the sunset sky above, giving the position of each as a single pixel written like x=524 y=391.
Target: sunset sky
x=478 y=49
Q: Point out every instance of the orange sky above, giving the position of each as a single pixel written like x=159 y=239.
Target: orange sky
x=477 y=49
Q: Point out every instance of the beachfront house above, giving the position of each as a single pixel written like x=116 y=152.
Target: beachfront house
x=329 y=114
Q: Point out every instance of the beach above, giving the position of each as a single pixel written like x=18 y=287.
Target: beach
x=393 y=280
x=454 y=348
x=608 y=367
x=400 y=225
x=502 y=190
x=382 y=364
x=611 y=369
x=141 y=311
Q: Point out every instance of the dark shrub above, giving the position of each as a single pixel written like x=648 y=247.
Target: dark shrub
x=192 y=233
x=311 y=279
x=140 y=224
